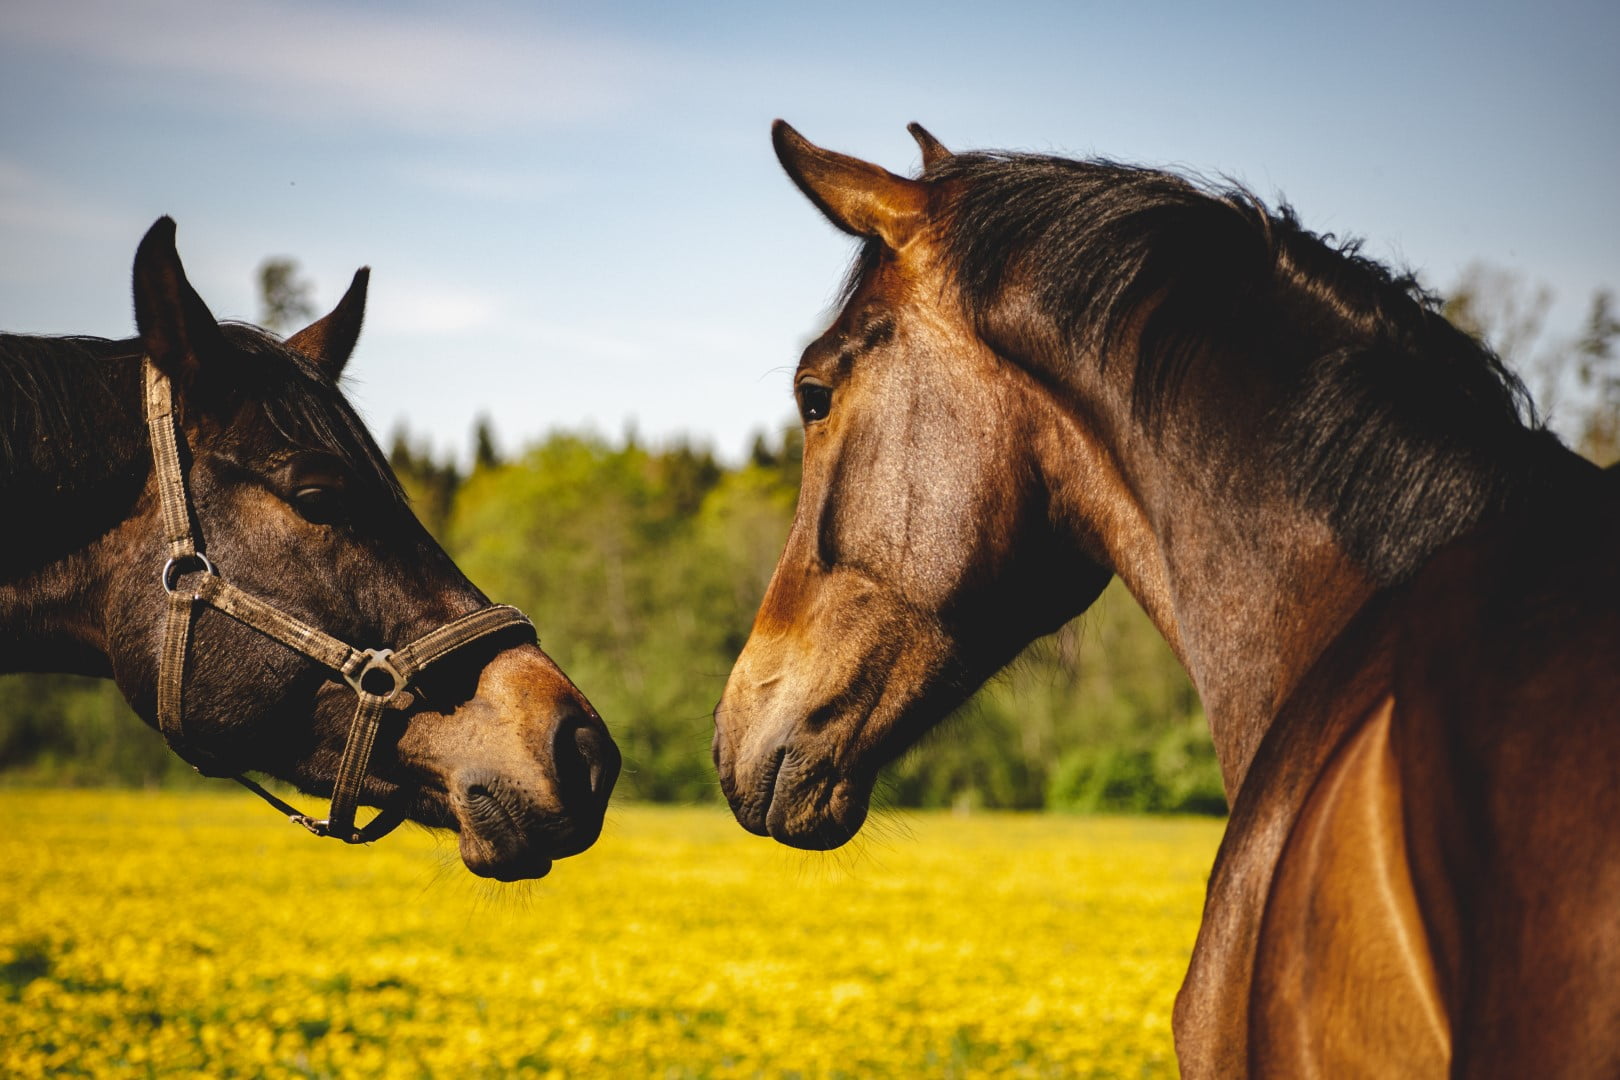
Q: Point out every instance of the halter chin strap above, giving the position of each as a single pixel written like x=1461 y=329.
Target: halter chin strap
x=377 y=676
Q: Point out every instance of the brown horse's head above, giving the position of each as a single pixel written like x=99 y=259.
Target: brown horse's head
x=927 y=547
x=293 y=503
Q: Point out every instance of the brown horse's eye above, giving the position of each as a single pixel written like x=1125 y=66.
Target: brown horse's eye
x=815 y=401
x=320 y=505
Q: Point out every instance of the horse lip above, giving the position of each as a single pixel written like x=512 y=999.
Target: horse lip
x=767 y=788
x=490 y=815
x=831 y=822
x=494 y=843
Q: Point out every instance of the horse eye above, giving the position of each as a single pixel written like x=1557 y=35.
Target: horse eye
x=319 y=505
x=815 y=401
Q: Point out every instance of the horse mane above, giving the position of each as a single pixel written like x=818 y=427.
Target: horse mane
x=1400 y=429
x=69 y=413
x=64 y=417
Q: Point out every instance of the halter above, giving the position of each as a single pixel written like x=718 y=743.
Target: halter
x=377 y=676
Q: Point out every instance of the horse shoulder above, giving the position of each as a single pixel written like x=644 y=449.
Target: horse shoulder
x=1518 y=776
x=1345 y=980
x=1507 y=743
x=1349 y=683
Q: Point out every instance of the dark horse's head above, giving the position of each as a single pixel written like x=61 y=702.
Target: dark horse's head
x=295 y=504
x=900 y=589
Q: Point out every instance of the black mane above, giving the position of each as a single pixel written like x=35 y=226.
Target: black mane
x=71 y=437
x=1400 y=429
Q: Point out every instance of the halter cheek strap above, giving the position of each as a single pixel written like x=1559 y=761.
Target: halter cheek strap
x=377 y=676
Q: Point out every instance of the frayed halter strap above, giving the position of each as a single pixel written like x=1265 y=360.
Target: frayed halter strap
x=377 y=676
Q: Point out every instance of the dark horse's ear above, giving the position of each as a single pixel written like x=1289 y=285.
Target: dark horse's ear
x=933 y=151
x=330 y=341
x=177 y=330
x=857 y=196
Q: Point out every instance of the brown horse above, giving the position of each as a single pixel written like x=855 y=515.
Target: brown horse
x=1398 y=597
x=217 y=560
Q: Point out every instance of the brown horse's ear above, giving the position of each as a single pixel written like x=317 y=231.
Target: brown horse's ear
x=177 y=330
x=858 y=197
x=330 y=341
x=933 y=151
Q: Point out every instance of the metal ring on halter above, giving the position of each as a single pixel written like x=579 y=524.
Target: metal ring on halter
x=171 y=578
x=377 y=660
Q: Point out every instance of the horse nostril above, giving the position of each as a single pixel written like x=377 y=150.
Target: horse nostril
x=582 y=750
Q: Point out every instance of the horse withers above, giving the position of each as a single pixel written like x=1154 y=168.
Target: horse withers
x=1396 y=594
x=199 y=514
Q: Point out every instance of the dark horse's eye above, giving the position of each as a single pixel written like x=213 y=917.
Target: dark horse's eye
x=815 y=401
x=319 y=505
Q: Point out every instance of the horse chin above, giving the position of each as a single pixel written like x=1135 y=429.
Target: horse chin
x=490 y=860
x=507 y=835
x=823 y=833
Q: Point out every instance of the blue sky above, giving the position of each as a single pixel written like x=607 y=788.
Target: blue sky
x=574 y=217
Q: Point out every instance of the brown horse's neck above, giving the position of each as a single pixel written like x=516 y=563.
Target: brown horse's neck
x=1255 y=596
x=1248 y=591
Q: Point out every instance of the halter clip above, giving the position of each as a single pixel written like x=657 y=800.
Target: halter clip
x=178 y=565
x=377 y=660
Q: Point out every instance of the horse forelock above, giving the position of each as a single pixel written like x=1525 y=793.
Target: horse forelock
x=305 y=405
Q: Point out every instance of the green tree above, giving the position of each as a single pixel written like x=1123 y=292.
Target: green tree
x=485 y=454
x=285 y=298
x=1598 y=375
x=599 y=544
x=1575 y=381
x=429 y=483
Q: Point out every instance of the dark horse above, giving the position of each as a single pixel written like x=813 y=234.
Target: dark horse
x=220 y=587
x=1398 y=597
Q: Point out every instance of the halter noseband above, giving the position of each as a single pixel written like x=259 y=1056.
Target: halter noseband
x=377 y=676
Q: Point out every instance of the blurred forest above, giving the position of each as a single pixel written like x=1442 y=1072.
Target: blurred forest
x=642 y=567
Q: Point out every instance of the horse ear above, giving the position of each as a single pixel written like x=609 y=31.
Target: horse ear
x=933 y=151
x=330 y=341
x=177 y=330
x=857 y=196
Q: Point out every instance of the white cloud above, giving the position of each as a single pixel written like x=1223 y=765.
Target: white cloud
x=435 y=72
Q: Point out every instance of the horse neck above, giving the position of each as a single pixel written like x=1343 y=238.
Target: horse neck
x=1251 y=577
x=75 y=462
x=1249 y=594
x=1247 y=585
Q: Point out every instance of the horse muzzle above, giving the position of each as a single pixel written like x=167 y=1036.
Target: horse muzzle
x=793 y=791
x=513 y=823
x=525 y=766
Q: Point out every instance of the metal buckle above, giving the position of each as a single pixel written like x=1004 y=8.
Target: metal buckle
x=176 y=566
x=318 y=826
x=377 y=660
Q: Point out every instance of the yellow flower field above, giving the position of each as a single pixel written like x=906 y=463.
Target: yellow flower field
x=148 y=934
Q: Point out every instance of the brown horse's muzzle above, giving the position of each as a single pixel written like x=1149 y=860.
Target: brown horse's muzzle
x=526 y=766
x=792 y=790
x=829 y=688
x=799 y=773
